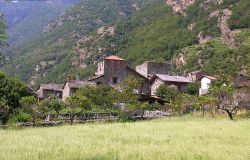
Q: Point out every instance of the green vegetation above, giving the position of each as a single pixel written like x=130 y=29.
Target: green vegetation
x=241 y=15
x=27 y=19
x=3 y=36
x=151 y=33
x=175 y=138
x=167 y=93
x=11 y=91
x=57 y=45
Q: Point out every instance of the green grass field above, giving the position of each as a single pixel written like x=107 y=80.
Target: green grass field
x=176 y=138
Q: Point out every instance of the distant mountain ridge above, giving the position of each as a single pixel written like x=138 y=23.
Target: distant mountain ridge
x=25 y=19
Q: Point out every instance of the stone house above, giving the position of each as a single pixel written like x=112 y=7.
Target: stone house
x=196 y=76
x=113 y=70
x=179 y=81
x=149 y=68
x=205 y=84
x=70 y=87
x=46 y=90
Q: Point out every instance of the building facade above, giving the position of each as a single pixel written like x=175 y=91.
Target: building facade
x=179 y=82
x=196 y=76
x=113 y=70
x=150 y=68
x=48 y=90
x=70 y=87
x=205 y=84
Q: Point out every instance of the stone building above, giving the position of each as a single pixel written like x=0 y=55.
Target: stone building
x=113 y=70
x=70 y=87
x=47 y=90
x=196 y=76
x=205 y=84
x=160 y=79
x=149 y=68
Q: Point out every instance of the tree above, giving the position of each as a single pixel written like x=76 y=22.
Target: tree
x=30 y=105
x=11 y=91
x=3 y=35
x=168 y=93
x=50 y=106
x=75 y=104
x=193 y=89
x=205 y=103
x=182 y=103
x=225 y=97
x=4 y=110
x=102 y=96
x=130 y=88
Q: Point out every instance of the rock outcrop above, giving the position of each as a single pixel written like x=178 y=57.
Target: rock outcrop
x=204 y=38
x=106 y=31
x=179 y=6
x=225 y=30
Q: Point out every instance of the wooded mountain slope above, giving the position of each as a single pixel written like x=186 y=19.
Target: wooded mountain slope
x=206 y=35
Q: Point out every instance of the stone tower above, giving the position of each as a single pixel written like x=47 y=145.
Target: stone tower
x=114 y=69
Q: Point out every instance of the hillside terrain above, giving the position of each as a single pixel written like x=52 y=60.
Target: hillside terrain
x=26 y=19
x=212 y=35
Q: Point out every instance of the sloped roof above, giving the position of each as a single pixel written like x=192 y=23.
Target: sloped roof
x=113 y=57
x=199 y=71
x=79 y=84
x=211 y=77
x=52 y=86
x=169 y=78
x=96 y=77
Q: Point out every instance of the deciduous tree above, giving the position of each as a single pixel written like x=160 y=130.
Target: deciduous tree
x=30 y=105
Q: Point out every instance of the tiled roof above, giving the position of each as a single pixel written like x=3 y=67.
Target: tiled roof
x=79 y=84
x=211 y=77
x=52 y=86
x=112 y=57
x=169 y=78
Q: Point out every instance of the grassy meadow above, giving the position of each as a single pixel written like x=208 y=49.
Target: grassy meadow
x=177 y=138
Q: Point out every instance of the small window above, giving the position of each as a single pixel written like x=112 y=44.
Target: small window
x=114 y=80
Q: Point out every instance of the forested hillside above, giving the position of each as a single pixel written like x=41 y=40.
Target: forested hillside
x=51 y=57
x=26 y=19
x=212 y=35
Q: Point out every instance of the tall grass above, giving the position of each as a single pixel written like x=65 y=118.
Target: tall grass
x=176 y=138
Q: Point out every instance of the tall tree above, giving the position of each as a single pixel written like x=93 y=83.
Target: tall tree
x=11 y=91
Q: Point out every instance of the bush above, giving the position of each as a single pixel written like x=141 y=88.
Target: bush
x=193 y=89
x=23 y=117
x=125 y=117
x=20 y=117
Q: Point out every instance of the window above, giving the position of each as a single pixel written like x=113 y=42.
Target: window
x=114 y=80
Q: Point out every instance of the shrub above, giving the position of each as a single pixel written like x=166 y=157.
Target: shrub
x=23 y=117
x=125 y=117
x=193 y=89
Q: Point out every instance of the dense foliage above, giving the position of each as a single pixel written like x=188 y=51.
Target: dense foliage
x=3 y=36
x=11 y=91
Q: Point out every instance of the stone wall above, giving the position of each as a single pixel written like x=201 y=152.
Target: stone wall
x=148 y=69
